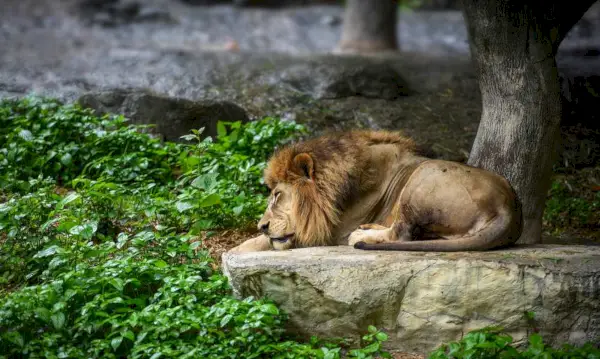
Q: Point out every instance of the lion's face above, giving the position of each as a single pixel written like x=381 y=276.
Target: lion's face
x=278 y=220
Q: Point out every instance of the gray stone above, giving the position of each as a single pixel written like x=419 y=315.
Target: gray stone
x=424 y=299
x=173 y=117
x=346 y=79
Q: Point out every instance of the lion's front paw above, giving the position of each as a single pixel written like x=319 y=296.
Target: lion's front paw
x=356 y=236
x=369 y=236
x=365 y=235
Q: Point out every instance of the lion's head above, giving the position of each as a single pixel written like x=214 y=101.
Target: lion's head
x=312 y=182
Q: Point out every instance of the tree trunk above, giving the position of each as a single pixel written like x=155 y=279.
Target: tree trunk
x=369 y=26
x=514 y=43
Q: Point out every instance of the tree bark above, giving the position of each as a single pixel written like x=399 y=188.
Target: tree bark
x=369 y=26
x=514 y=43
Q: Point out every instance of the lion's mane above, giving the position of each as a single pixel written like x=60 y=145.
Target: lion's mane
x=338 y=171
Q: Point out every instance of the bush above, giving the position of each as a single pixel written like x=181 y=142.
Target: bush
x=492 y=343
x=575 y=210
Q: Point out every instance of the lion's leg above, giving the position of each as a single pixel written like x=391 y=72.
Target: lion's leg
x=399 y=231
x=256 y=244
x=370 y=236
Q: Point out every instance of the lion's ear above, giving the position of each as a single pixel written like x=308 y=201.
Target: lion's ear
x=304 y=166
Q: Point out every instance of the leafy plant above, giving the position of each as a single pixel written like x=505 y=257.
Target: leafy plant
x=565 y=208
x=43 y=138
x=492 y=343
x=372 y=345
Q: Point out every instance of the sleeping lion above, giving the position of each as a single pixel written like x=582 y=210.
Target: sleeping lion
x=371 y=190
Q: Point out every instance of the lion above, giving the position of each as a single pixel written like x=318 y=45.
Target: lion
x=373 y=190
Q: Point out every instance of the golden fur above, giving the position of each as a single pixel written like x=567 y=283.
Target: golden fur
x=324 y=188
x=336 y=176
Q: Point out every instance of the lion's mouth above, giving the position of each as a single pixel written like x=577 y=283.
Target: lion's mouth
x=282 y=239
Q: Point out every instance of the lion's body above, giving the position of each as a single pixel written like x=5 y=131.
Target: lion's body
x=325 y=188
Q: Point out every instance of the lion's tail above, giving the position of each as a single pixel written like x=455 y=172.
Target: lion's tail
x=504 y=230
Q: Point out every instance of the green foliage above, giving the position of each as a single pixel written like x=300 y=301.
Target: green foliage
x=567 y=208
x=371 y=345
x=96 y=250
x=42 y=138
x=493 y=343
x=119 y=179
x=229 y=170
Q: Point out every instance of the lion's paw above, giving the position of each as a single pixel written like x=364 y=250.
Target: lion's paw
x=369 y=235
x=363 y=235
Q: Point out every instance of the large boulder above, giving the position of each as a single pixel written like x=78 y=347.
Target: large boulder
x=425 y=299
x=172 y=117
x=346 y=79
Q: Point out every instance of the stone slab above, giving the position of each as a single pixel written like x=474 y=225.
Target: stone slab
x=424 y=299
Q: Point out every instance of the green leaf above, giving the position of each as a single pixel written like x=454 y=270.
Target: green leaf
x=329 y=354
x=117 y=283
x=48 y=252
x=67 y=199
x=26 y=135
x=536 y=341
x=226 y=319
x=85 y=231
x=382 y=337
x=15 y=338
x=269 y=308
x=156 y=355
x=183 y=206
x=210 y=200
x=202 y=224
x=221 y=130
x=454 y=348
x=129 y=335
x=160 y=263
x=49 y=223
x=372 y=329
x=58 y=320
x=43 y=313
x=66 y=159
x=116 y=342
x=205 y=182
x=122 y=239
x=238 y=210
x=371 y=348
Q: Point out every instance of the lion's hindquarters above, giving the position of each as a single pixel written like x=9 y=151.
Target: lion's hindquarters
x=452 y=200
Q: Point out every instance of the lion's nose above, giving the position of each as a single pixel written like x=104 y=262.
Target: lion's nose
x=264 y=227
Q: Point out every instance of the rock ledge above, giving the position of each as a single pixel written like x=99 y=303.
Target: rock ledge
x=424 y=299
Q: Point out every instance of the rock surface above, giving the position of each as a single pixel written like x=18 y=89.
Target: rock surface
x=339 y=79
x=424 y=299
x=173 y=117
